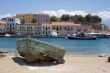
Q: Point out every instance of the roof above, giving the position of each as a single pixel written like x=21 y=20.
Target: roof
x=64 y=24
x=42 y=14
x=33 y=14
x=9 y=17
x=60 y=24
x=2 y=22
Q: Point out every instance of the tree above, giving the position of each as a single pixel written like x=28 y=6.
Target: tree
x=65 y=17
x=96 y=19
x=77 y=19
x=88 y=18
x=53 y=19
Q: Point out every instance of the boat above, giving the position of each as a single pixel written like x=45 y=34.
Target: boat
x=34 y=50
x=100 y=35
x=81 y=36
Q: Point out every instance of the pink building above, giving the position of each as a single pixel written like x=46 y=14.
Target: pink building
x=42 y=18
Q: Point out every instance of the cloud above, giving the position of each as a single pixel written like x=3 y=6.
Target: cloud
x=60 y=12
x=5 y=15
x=104 y=14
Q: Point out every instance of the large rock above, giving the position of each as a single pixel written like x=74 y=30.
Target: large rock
x=108 y=59
x=102 y=55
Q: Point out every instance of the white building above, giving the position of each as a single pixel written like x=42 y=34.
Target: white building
x=65 y=28
x=10 y=24
x=46 y=29
x=33 y=30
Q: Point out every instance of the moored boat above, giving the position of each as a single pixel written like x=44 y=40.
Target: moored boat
x=82 y=36
x=100 y=35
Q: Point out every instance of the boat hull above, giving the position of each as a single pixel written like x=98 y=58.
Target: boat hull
x=82 y=38
x=34 y=50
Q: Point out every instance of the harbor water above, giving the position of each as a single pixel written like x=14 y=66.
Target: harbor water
x=77 y=47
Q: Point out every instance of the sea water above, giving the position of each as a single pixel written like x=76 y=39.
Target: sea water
x=84 y=47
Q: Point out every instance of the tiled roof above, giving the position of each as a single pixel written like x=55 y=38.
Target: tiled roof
x=11 y=17
x=2 y=22
x=61 y=24
x=41 y=14
x=64 y=24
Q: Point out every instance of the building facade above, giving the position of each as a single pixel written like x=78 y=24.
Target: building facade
x=42 y=18
x=46 y=29
x=33 y=30
x=10 y=24
x=26 y=18
x=33 y=18
x=2 y=28
x=65 y=28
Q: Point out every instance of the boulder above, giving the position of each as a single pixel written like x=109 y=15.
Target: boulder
x=108 y=59
x=102 y=55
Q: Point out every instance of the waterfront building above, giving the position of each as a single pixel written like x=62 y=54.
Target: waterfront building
x=86 y=29
x=34 y=30
x=65 y=28
x=10 y=24
x=46 y=29
x=33 y=18
x=2 y=28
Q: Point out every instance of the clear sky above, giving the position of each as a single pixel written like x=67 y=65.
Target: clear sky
x=100 y=7
x=19 y=6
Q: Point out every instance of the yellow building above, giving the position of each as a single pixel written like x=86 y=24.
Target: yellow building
x=25 y=18
x=2 y=27
x=33 y=18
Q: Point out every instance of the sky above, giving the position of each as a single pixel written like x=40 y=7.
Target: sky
x=57 y=7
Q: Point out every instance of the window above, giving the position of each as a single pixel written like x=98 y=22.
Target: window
x=53 y=28
x=43 y=31
x=43 y=27
x=65 y=28
x=13 y=24
x=60 y=27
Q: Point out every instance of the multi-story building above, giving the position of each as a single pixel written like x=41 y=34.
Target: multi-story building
x=26 y=18
x=65 y=28
x=33 y=30
x=33 y=18
x=46 y=29
x=10 y=24
x=2 y=28
x=42 y=18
